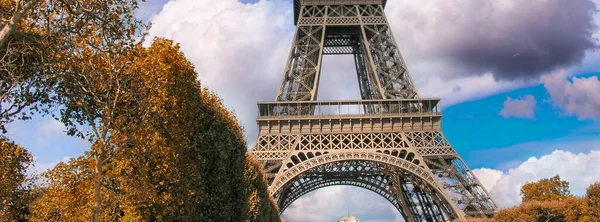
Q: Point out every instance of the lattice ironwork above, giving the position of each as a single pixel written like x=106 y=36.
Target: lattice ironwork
x=424 y=142
x=380 y=67
x=390 y=142
x=391 y=182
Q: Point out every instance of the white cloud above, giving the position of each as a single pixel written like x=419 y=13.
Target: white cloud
x=580 y=170
x=519 y=108
x=597 y=19
x=41 y=167
x=576 y=96
x=488 y=177
x=239 y=50
x=331 y=203
x=461 y=89
x=51 y=128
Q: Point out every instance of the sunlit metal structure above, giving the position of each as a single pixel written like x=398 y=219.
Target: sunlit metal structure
x=390 y=142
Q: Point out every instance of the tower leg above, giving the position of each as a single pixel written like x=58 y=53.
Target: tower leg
x=301 y=75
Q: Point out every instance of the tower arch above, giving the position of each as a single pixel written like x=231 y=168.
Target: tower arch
x=410 y=187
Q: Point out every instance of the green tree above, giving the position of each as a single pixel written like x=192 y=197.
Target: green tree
x=545 y=190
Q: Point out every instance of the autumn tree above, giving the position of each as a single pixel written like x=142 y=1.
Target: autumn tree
x=23 y=81
x=178 y=154
x=568 y=209
x=155 y=147
x=68 y=194
x=185 y=148
x=545 y=190
x=16 y=187
x=93 y=72
x=593 y=201
x=79 y=49
x=260 y=204
x=552 y=207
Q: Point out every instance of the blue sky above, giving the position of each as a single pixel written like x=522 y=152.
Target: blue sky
x=476 y=130
x=510 y=126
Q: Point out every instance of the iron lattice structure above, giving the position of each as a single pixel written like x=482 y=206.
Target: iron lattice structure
x=390 y=142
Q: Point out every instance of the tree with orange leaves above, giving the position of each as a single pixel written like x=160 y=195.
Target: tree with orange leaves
x=593 y=201
x=16 y=187
x=546 y=190
x=261 y=206
x=550 y=200
x=179 y=155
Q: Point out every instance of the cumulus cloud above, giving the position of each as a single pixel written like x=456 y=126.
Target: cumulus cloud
x=580 y=170
x=576 y=96
x=512 y=39
x=461 y=89
x=488 y=177
x=582 y=139
x=239 y=50
x=41 y=167
x=519 y=108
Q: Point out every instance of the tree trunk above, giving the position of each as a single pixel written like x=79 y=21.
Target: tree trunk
x=11 y=24
x=97 y=180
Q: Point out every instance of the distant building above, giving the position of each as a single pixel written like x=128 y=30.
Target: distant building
x=348 y=219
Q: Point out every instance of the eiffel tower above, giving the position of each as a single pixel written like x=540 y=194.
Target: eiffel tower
x=389 y=142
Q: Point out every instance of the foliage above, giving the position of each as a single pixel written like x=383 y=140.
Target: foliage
x=261 y=206
x=593 y=198
x=16 y=188
x=23 y=81
x=94 y=73
x=178 y=154
x=477 y=220
x=163 y=147
x=546 y=190
x=40 y=40
x=567 y=208
x=157 y=140
x=68 y=194
x=75 y=54
x=186 y=148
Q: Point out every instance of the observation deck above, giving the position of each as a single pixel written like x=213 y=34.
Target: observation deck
x=348 y=116
x=299 y=3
